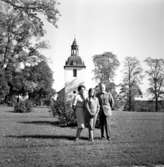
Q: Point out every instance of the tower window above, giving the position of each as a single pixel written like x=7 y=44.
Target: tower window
x=74 y=72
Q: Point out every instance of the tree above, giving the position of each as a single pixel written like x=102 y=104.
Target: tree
x=20 y=24
x=131 y=81
x=21 y=32
x=4 y=88
x=42 y=76
x=156 y=78
x=105 y=66
x=104 y=71
x=35 y=80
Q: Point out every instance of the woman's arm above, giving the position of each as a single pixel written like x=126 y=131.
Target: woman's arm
x=73 y=107
x=74 y=102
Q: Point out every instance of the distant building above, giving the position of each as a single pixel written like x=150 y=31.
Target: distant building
x=147 y=105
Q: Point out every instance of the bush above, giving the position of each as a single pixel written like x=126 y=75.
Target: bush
x=23 y=106
x=10 y=100
x=64 y=113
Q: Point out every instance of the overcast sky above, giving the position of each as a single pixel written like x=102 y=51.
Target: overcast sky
x=124 y=27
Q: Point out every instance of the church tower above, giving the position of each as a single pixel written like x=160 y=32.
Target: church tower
x=74 y=71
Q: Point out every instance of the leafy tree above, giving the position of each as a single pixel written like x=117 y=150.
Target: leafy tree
x=156 y=78
x=35 y=80
x=21 y=32
x=104 y=71
x=42 y=76
x=131 y=81
x=20 y=26
x=105 y=66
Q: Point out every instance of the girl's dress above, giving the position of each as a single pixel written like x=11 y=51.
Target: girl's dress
x=92 y=108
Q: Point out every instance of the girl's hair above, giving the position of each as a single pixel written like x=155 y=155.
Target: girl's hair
x=89 y=91
x=80 y=87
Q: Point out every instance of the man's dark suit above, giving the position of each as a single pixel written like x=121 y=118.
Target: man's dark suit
x=105 y=99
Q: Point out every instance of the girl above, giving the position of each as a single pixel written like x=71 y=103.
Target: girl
x=92 y=108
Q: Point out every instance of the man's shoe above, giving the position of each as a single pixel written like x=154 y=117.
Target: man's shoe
x=108 y=138
x=102 y=138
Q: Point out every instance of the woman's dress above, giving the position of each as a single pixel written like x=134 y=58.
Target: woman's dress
x=78 y=102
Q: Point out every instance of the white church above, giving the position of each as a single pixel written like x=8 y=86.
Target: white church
x=74 y=74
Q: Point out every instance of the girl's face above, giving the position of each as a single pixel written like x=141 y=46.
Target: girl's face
x=91 y=93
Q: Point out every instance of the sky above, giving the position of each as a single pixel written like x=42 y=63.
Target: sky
x=124 y=27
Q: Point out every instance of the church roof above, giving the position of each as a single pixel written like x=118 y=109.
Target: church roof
x=74 y=61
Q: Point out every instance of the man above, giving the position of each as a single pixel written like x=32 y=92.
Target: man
x=106 y=104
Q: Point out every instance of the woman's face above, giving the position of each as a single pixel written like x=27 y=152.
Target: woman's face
x=82 y=91
x=91 y=93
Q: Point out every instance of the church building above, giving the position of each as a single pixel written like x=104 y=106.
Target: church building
x=74 y=66
x=74 y=74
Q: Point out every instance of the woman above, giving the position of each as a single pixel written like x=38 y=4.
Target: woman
x=92 y=108
x=78 y=107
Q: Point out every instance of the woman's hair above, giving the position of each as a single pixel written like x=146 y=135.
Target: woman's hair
x=80 y=87
x=89 y=91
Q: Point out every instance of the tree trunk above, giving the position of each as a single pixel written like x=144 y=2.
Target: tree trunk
x=156 y=104
x=156 y=96
x=130 y=100
x=129 y=90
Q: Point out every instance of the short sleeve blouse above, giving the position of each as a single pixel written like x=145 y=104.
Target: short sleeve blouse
x=78 y=101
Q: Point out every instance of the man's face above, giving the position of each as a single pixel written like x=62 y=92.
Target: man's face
x=102 y=88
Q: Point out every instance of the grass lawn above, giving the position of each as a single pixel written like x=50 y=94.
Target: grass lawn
x=36 y=140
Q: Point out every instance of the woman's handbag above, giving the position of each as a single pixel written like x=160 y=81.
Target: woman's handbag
x=107 y=110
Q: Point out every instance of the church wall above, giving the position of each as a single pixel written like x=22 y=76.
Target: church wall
x=71 y=83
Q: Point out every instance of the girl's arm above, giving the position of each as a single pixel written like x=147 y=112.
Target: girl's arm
x=98 y=105
x=88 y=108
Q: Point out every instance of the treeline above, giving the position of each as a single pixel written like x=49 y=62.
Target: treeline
x=133 y=74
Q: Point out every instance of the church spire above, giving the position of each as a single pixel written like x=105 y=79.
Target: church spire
x=74 y=48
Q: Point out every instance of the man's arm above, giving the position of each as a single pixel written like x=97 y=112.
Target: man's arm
x=111 y=100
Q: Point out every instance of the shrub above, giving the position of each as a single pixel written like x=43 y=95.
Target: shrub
x=10 y=100
x=23 y=106
x=64 y=113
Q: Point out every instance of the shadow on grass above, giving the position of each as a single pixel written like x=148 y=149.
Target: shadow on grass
x=53 y=123
x=66 y=137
